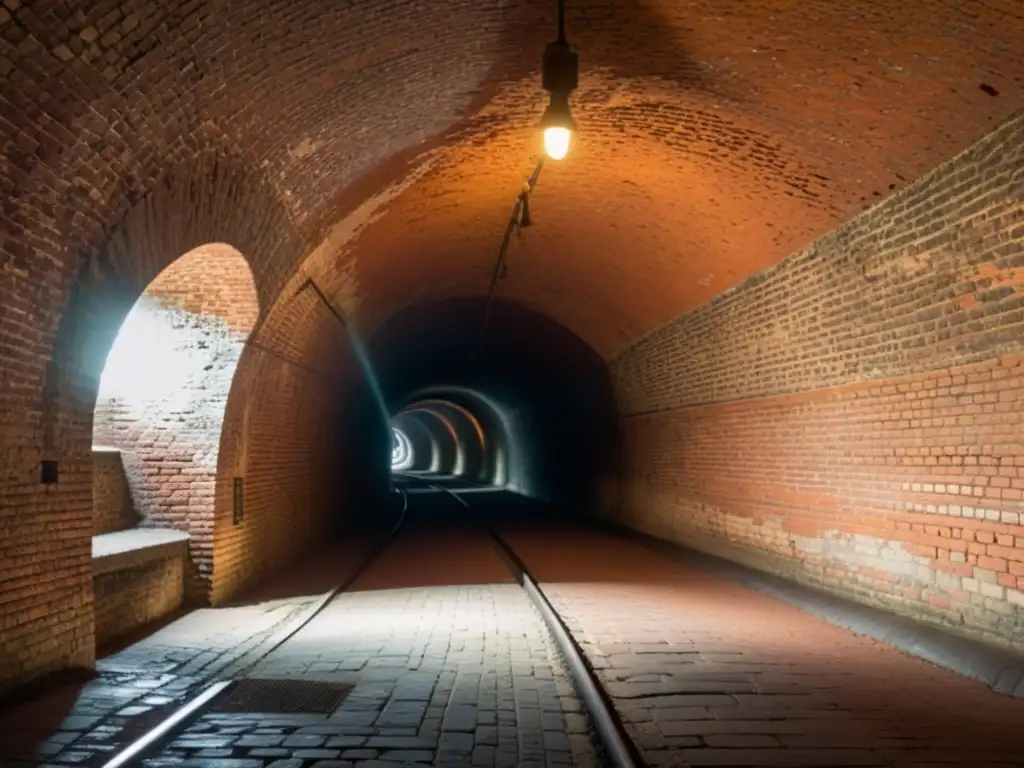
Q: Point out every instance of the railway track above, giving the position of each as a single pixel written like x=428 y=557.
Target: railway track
x=619 y=749
x=614 y=742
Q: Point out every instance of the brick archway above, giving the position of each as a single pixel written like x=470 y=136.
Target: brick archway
x=162 y=399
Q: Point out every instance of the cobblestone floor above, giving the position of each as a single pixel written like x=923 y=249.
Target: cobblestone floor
x=708 y=673
x=458 y=675
x=450 y=665
x=83 y=724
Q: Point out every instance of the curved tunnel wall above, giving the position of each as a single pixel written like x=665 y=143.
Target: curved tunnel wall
x=278 y=419
x=889 y=466
x=697 y=170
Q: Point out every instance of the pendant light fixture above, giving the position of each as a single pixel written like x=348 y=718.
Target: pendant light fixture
x=560 y=77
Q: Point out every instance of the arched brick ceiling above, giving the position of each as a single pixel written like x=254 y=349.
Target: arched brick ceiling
x=715 y=137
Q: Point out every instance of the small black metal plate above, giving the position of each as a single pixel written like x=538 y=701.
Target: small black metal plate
x=282 y=696
x=49 y=471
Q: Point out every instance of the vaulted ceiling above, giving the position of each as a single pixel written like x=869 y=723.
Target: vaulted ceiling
x=715 y=137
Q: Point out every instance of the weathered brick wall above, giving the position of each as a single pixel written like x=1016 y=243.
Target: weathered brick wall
x=130 y=598
x=165 y=388
x=281 y=435
x=112 y=506
x=854 y=417
x=133 y=133
x=60 y=318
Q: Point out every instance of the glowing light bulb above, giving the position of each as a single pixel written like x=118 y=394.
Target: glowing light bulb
x=556 y=141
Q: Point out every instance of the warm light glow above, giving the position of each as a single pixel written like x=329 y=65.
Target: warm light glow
x=556 y=141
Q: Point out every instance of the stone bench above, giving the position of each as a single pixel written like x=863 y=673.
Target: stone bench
x=138 y=577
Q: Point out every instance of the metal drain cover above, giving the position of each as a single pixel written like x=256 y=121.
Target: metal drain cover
x=290 y=696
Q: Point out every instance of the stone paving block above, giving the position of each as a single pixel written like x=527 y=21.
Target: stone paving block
x=408 y=755
x=399 y=742
x=207 y=762
x=303 y=740
x=316 y=754
x=455 y=742
x=559 y=758
x=486 y=735
x=556 y=741
x=260 y=740
x=584 y=751
x=430 y=727
x=334 y=728
x=345 y=742
x=208 y=742
x=459 y=717
x=359 y=754
x=402 y=713
x=269 y=752
x=397 y=731
x=359 y=717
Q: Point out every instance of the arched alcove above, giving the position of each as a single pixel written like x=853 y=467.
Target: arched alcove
x=162 y=397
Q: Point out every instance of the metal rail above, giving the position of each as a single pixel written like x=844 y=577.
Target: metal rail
x=145 y=745
x=621 y=750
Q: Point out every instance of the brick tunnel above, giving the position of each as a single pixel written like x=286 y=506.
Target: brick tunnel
x=309 y=354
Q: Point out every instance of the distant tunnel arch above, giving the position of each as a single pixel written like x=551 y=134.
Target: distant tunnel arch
x=459 y=442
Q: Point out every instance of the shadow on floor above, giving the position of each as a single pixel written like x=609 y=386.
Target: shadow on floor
x=41 y=710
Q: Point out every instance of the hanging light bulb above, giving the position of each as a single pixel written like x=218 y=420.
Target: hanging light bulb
x=560 y=74
x=556 y=141
x=558 y=127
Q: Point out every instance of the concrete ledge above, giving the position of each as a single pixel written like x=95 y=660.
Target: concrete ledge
x=125 y=549
x=1002 y=670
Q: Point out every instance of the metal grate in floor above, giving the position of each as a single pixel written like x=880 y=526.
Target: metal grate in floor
x=282 y=696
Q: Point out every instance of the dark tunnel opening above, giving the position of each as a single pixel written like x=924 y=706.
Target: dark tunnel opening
x=528 y=407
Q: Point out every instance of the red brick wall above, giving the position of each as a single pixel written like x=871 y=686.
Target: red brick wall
x=165 y=388
x=281 y=435
x=134 y=133
x=63 y=301
x=112 y=505
x=853 y=416
x=128 y=599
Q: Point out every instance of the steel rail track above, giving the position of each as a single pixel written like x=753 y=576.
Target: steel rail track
x=144 y=746
x=619 y=747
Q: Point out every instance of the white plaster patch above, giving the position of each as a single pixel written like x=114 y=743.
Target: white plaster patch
x=860 y=551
